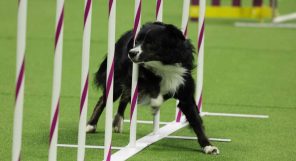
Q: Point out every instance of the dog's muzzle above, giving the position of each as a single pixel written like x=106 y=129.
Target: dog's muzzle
x=134 y=53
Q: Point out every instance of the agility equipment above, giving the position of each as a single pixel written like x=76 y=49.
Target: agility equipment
x=84 y=79
x=134 y=145
x=235 y=10
x=56 y=90
x=159 y=14
x=110 y=80
x=184 y=27
x=276 y=22
x=200 y=58
x=20 y=80
x=200 y=68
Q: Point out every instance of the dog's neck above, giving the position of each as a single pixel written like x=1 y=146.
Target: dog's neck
x=171 y=75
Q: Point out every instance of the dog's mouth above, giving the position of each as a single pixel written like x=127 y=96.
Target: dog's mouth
x=136 y=61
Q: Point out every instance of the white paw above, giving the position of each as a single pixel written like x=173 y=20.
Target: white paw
x=211 y=150
x=118 y=124
x=156 y=102
x=90 y=128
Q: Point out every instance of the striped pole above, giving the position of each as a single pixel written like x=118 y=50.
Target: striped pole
x=200 y=50
x=20 y=79
x=184 y=27
x=159 y=15
x=109 y=81
x=134 y=94
x=84 y=79
x=159 y=10
x=57 y=74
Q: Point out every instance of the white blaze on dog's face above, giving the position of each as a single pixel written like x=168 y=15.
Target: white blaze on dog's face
x=134 y=53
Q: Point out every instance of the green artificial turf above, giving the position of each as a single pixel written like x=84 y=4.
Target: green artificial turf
x=247 y=70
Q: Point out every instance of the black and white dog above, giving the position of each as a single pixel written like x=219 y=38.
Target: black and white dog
x=165 y=61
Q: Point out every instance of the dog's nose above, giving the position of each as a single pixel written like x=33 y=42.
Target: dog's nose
x=133 y=53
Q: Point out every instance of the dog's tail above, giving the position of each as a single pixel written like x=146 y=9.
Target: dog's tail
x=100 y=76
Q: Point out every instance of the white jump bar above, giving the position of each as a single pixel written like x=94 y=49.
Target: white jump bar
x=265 y=25
x=147 y=140
x=195 y=138
x=234 y=115
x=87 y=146
x=284 y=18
x=148 y=122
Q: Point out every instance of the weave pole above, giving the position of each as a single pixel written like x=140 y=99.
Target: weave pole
x=20 y=80
x=200 y=51
x=134 y=94
x=110 y=80
x=200 y=65
x=57 y=75
x=84 y=79
x=184 y=26
x=159 y=15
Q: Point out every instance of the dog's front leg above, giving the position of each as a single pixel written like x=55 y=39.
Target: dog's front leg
x=155 y=103
x=189 y=108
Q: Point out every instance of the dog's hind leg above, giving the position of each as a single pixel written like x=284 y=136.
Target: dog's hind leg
x=92 y=123
x=99 y=108
x=118 y=119
x=189 y=108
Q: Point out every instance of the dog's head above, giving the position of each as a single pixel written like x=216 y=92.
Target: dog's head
x=157 y=42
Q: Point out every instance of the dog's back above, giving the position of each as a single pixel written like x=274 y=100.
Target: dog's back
x=121 y=63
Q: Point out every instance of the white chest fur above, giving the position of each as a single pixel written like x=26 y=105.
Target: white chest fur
x=172 y=76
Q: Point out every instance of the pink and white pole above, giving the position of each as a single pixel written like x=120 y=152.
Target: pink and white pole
x=200 y=65
x=159 y=10
x=184 y=26
x=57 y=75
x=20 y=80
x=200 y=51
x=159 y=15
x=84 y=79
x=134 y=94
x=110 y=80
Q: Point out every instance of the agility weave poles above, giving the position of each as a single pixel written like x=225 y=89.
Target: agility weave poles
x=200 y=65
x=136 y=146
x=109 y=81
x=184 y=27
x=200 y=51
x=134 y=91
x=84 y=79
x=199 y=81
x=20 y=80
x=159 y=15
x=57 y=75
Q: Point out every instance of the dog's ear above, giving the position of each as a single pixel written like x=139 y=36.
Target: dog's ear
x=175 y=32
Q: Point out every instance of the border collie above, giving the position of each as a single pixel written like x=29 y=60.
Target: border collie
x=165 y=60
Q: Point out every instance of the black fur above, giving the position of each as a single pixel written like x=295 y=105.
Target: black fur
x=159 y=43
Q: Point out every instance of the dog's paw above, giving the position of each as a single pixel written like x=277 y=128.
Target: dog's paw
x=210 y=149
x=90 y=128
x=118 y=124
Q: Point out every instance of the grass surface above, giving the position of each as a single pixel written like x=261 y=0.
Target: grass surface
x=247 y=70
